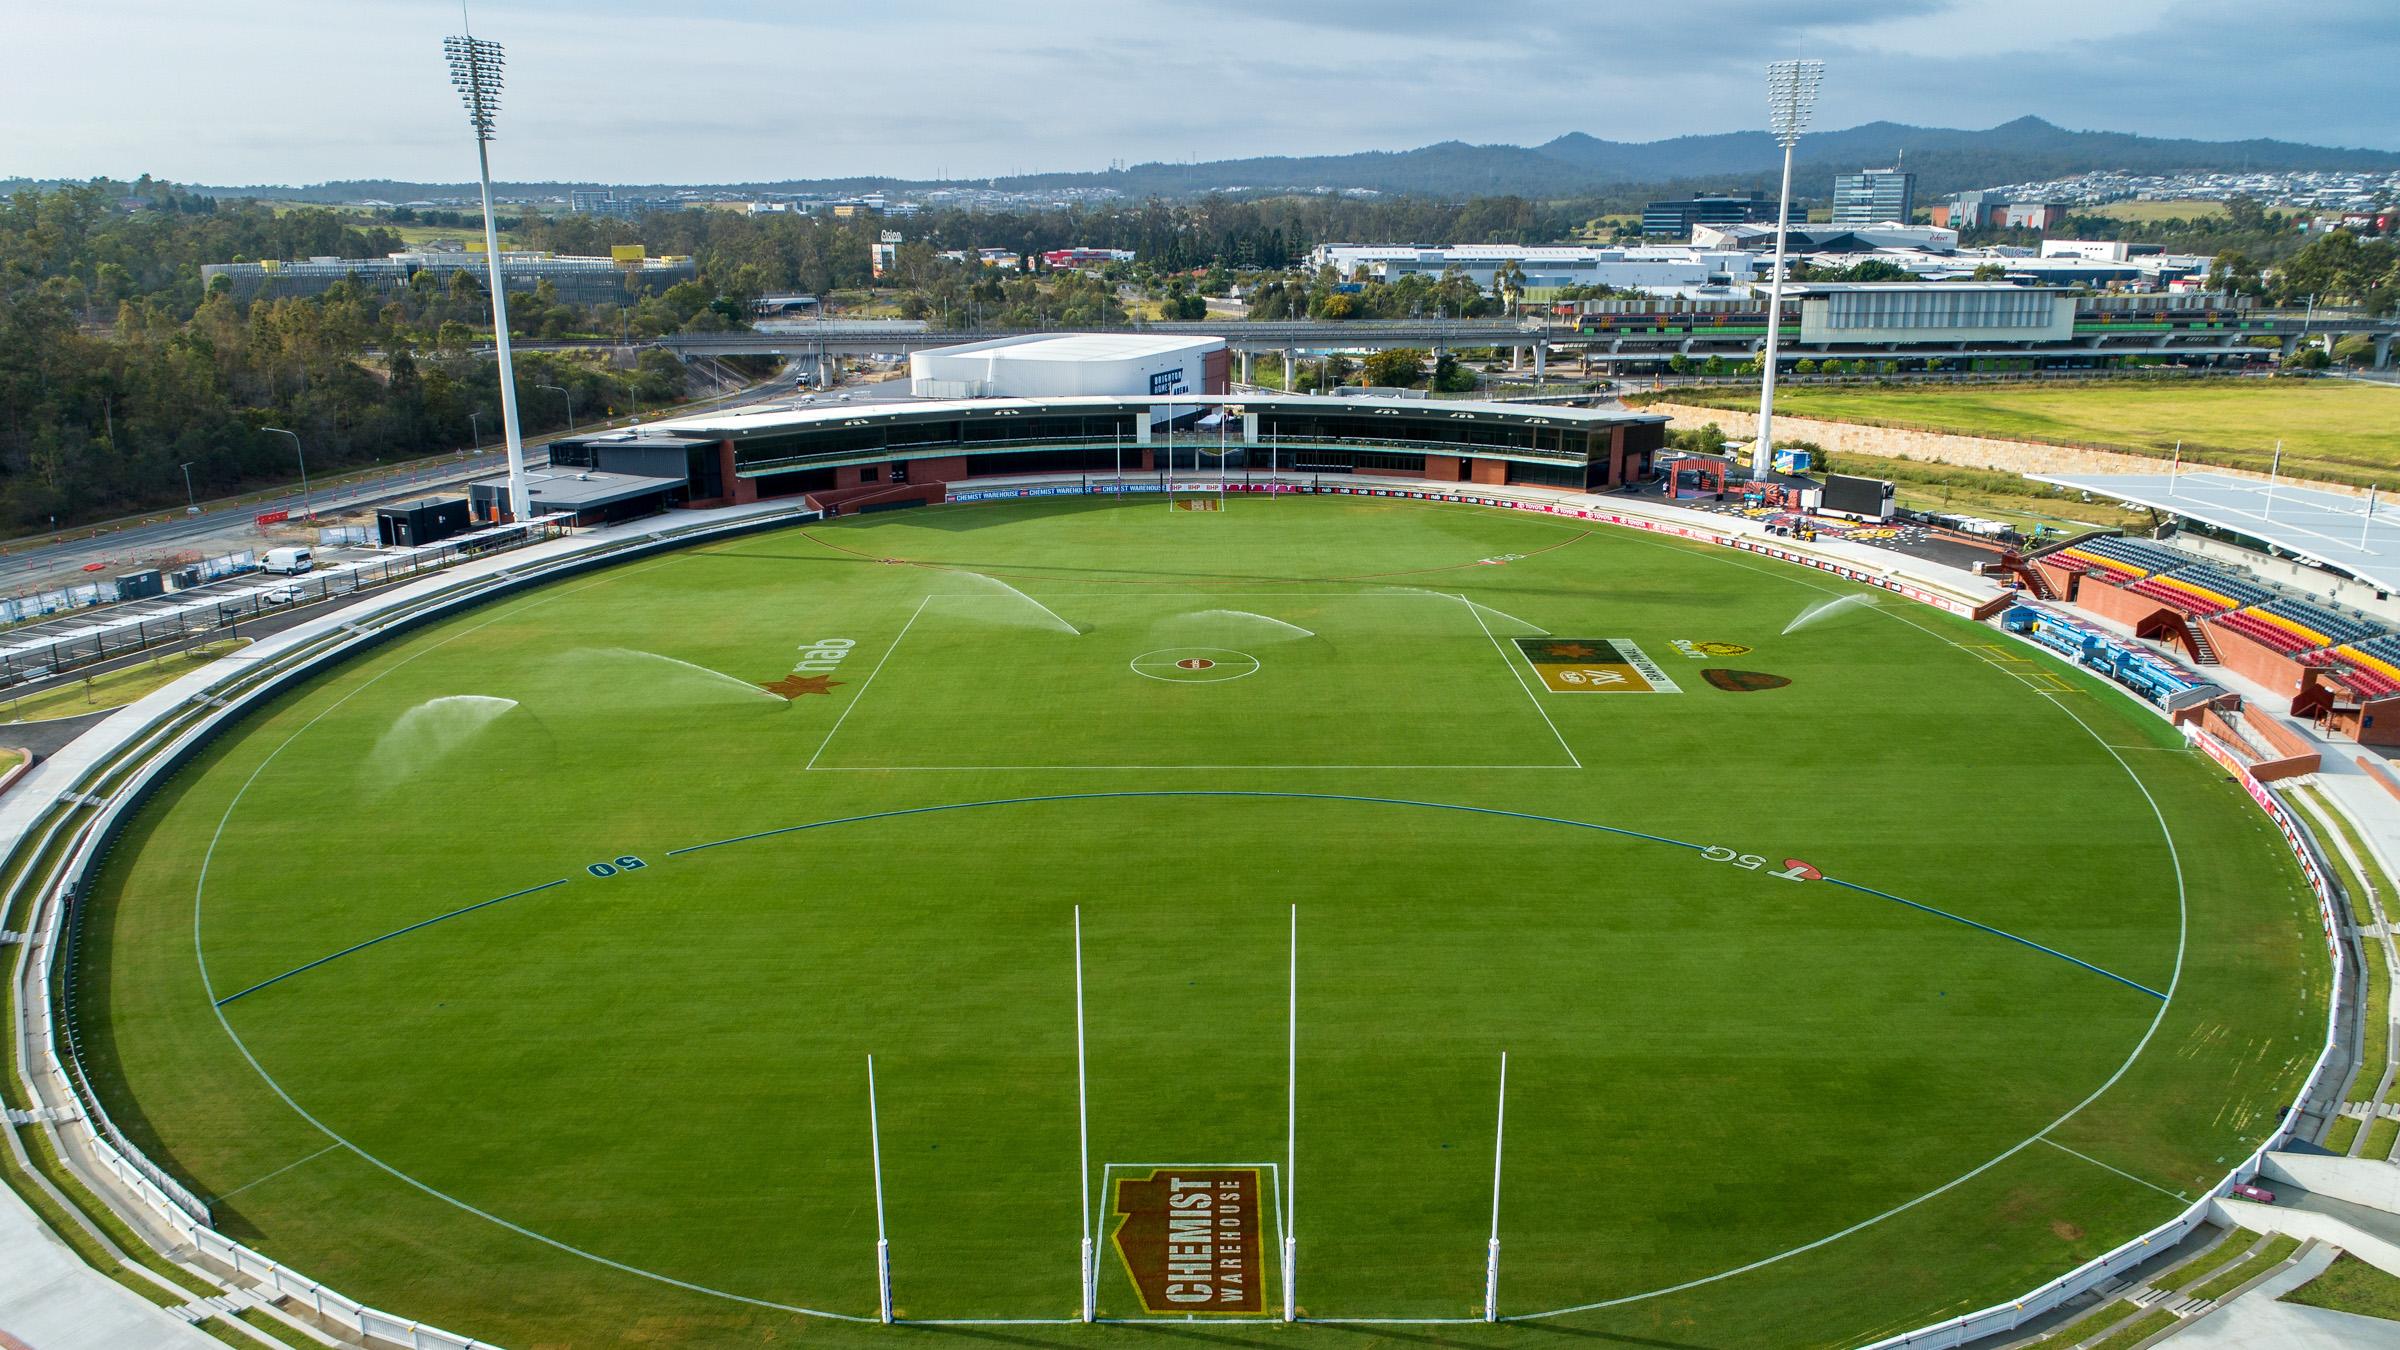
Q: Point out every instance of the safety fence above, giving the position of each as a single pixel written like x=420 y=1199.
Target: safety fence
x=67 y=599
x=48 y=1050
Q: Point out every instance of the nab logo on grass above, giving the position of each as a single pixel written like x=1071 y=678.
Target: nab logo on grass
x=1189 y=1237
x=822 y=655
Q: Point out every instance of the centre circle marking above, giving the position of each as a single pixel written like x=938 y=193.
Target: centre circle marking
x=1194 y=665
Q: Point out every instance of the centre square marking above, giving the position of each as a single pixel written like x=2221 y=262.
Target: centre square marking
x=1191 y=1236
x=1194 y=665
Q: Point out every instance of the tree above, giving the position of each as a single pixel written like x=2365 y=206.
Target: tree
x=1396 y=368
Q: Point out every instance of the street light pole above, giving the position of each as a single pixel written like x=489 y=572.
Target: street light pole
x=567 y=394
x=307 y=506
x=475 y=429
x=475 y=70
x=1791 y=98
x=190 y=499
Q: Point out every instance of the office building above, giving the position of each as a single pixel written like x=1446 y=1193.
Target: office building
x=1073 y=364
x=1544 y=268
x=1873 y=196
x=1677 y=219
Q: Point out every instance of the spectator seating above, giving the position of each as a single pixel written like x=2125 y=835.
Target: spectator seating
x=2091 y=564
x=2139 y=554
x=2335 y=625
x=2189 y=594
x=2369 y=675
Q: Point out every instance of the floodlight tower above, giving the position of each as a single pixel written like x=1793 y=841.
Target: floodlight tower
x=1791 y=98
x=475 y=68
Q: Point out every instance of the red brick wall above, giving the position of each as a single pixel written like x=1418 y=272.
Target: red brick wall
x=2062 y=581
x=2379 y=722
x=1442 y=468
x=1490 y=472
x=1216 y=371
x=2263 y=664
x=2110 y=602
x=945 y=470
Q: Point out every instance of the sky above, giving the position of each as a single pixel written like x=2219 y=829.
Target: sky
x=298 y=91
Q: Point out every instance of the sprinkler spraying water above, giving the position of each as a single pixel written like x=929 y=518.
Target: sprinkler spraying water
x=1292 y=628
x=1048 y=612
x=1826 y=608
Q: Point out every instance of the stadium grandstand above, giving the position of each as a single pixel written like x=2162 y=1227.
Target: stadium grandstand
x=2337 y=664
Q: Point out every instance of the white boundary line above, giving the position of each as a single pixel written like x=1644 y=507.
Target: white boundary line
x=1506 y=660
x=861 y=696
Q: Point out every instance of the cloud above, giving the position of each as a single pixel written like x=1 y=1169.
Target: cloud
x=744 y=90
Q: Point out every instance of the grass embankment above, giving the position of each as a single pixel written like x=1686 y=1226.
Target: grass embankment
x=2343 y=1134
x=2381 y=1135
x=118 y=687
x=2209 y=1262
x=2330 y=429
x=2352 y=1286
x=2374 y=1050
x=2274 y=1254
x=2138 y=1331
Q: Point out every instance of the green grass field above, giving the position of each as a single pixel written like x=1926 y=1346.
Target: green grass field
x=381 y=975
x=2338 y=430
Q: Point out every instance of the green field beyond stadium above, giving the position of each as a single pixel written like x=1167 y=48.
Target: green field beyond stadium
x=2338 y=430
x=1854 y=968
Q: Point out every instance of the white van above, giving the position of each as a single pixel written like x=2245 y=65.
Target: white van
x=286 y=562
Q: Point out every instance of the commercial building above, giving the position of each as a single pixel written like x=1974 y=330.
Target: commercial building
x=1873 y=196
x=1828 y=239
x=1677 y=219
x=607 y=204
x=1069 y=258
x=854 y=457
x=1073 y=364
x=1641 y=267
x=1949 y=312
x=584 y=496
x=1987 y=210
x=578 y=280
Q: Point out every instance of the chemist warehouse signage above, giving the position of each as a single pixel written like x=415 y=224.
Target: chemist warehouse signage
x=1190 y=1237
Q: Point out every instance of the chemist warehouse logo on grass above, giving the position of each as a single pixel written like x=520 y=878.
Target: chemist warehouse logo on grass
x=1190 y=1238
x=1595 y=666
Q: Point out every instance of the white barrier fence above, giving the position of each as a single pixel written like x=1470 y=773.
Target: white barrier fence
x=55 y=908
x=187 y=1218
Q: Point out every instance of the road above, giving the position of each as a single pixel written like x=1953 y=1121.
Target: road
x=42 y=563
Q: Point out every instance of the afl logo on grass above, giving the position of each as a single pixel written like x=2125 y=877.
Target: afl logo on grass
x=1701 y=651
x=1189 y=1237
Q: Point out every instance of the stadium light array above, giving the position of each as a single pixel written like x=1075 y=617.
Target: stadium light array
x=476 y=71
x=1791 y=101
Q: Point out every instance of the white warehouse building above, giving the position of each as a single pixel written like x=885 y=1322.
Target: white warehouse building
x=1662 y=268
x=1070 y=364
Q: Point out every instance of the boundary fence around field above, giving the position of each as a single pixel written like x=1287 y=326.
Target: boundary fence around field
x=120 y=783
x=122 y=779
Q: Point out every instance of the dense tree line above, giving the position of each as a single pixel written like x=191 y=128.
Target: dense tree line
x=116 y=368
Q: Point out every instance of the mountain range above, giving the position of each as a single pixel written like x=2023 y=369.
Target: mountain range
x=1574 y=165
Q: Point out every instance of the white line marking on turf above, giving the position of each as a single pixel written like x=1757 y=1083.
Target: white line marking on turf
x=2118 y=1170
x=1147 y=768
x=200 y=958
x=277 y=1172
x=861 y=697
x=2183 y=930
x=1477 y=616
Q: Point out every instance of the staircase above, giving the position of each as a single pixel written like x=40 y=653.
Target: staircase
x=2203 y=651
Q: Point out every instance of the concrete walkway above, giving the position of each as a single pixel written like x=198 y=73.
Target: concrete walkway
x=51 y=1300
x=2255 y=1321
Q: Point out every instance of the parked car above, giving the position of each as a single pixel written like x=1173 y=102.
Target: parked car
x=2261 y=1194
